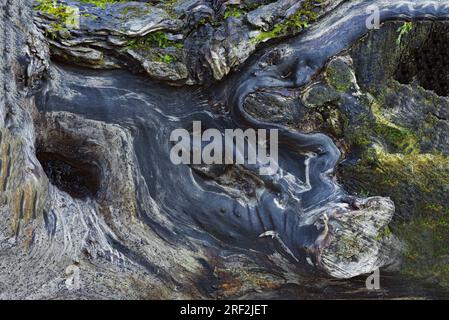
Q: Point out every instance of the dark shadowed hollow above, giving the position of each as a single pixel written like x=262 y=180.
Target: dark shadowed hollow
x=426 y=64
x=78 y=179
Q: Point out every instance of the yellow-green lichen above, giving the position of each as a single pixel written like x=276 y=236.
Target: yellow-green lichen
x=400 y=139
x=133 y=11
x=392 y=163
x=427 y=254
x=102 y=3
x=339 y=75
x=64 y=16
x=58 y=11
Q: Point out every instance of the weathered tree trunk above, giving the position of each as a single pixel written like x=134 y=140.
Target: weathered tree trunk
x=91 y=205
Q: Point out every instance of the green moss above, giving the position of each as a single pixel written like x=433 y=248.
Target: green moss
x=64 y=14
x=202 y=22
x=155 y=39
x=89 y=15
x=237 y=11
x=403 y=31
x=52 y=8
x=60 y=12
x=233 y=11
x=169 y=7
x=166 y=58
x=55 y=27
x=294 y=24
